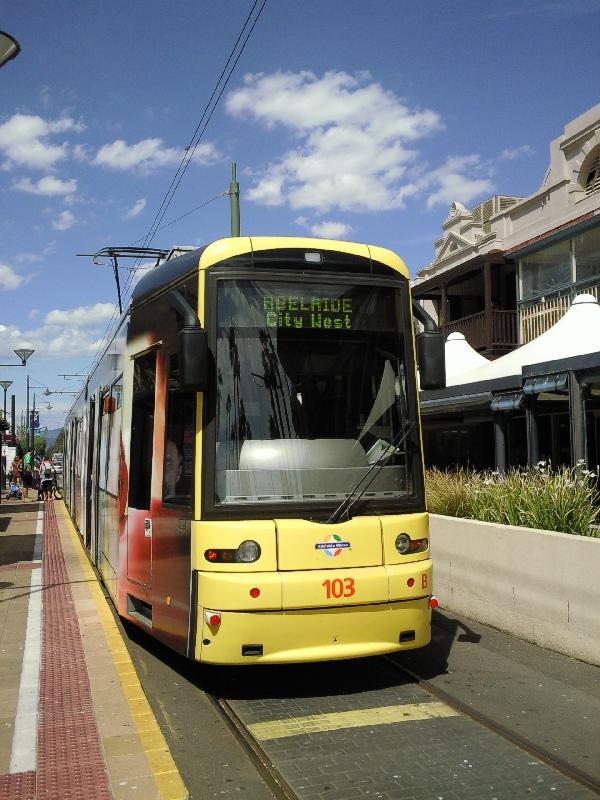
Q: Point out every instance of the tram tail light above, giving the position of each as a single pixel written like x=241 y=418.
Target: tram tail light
x=212 y=617
x=433 y=602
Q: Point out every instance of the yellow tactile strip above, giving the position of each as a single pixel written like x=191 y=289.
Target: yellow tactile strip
x=164 y=770
x=362 y=718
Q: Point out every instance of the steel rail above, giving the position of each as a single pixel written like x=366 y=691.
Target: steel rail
x=270 y=774
x=566 y=769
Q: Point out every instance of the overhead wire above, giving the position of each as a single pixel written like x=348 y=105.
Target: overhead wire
x=197 y=135
x=189 y=152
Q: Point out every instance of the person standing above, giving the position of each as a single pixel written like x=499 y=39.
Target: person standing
x=47 y=474
x=16 y=468
x=27 y=473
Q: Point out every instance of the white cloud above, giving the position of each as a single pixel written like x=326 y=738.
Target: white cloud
x=356 y=139
x=32 y=258
x=61 y=333
x=9 y=279
x=327 y=229
x=516 y=152
x=136 y=209
x=456 y=180
x=356 y=145
x=65 y=221
x=148 y=155
x=70 y=342
x=24 y=140
x=48 y=186
x=81 y=316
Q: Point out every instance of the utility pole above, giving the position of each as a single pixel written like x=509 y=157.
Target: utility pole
x=3 y=464
x=234 y=201
x=27 y=416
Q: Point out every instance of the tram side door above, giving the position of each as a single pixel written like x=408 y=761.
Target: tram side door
x=90 y=504
x=139 y=519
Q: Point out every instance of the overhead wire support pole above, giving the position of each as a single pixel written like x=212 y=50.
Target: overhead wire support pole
x=118 y=282
x=234 y=201
x=114 y=253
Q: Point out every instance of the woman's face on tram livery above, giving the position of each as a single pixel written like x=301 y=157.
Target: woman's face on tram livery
x=173 y=464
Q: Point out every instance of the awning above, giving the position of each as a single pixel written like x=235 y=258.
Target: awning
x=508 y=402
x=557 y=382
x=456 y=404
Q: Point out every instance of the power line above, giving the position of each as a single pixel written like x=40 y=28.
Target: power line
x=187 y=213
x=205 y=118
x=189 y=151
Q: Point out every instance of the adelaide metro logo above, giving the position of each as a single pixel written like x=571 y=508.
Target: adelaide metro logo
x=333 y=547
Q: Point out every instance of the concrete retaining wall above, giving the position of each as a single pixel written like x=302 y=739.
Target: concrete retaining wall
x=539 y=585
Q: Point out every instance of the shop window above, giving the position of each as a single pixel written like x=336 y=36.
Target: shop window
x=587 y=254
x=546 y=270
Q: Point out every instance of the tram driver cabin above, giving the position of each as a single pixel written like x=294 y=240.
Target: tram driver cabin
x=244 y=464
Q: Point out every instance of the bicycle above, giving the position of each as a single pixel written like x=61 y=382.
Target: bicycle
x=57 y=492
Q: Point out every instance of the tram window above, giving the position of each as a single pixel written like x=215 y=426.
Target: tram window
x=142 y=430
x=178 y=470
x=114 y=442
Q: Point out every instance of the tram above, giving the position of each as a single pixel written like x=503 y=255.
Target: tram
x=244 y=462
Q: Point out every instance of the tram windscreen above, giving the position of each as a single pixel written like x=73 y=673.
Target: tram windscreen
x=312 y=392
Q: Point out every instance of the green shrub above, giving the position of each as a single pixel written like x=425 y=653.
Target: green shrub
x=562 y=499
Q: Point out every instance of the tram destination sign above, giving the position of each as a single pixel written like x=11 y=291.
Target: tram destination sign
x=308 y=312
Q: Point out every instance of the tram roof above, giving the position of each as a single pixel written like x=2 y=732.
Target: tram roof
x=173 y=270
x=170 y=271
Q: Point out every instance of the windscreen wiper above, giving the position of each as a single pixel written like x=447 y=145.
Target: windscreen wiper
x=357 y=492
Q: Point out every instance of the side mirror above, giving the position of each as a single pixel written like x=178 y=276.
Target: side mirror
x=192 y=345
x=431 y=360
x=193 y=358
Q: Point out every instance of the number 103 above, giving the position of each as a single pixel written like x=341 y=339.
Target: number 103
x=339 y=587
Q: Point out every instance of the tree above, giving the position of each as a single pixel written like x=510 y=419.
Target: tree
x=59 y=444
x=39 y=444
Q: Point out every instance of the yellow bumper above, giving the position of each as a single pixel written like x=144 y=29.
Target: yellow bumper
x=314 y=634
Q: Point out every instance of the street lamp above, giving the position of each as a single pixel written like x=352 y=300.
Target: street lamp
x=48 y=392
x=28 y=385
x=23 y=354
x=9 y=48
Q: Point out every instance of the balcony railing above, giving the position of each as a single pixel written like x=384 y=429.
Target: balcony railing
x=535 y=318
x=473 y=328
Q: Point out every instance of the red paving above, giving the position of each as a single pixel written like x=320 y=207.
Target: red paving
x=20 y=786
x=70 y=762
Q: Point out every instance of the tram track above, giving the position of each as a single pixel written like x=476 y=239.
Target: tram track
x=281 y=789
x=559 y=764
x=268 y=771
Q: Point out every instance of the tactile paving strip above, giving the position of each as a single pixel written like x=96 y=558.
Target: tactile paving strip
x=18 y=786
x=70 y=760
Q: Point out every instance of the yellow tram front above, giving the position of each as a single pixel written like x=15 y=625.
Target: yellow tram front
x=311 y=537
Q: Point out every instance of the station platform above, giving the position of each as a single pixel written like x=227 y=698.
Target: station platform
x=74 y=720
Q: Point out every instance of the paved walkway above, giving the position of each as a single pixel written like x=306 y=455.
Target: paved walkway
x=74 y=720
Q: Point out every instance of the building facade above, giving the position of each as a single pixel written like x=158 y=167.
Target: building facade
x=504 y=273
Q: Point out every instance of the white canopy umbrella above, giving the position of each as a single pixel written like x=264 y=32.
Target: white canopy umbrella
x=576 y=333
x=460 y=356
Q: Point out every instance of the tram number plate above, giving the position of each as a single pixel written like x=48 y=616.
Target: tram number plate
x=339 y=587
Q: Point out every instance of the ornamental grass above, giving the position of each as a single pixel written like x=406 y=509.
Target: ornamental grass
x=562 y=499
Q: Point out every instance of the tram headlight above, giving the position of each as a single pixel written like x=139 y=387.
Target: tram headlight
x=402 y=543
x=248 y=552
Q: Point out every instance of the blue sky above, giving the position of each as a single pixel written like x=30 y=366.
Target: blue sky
x=351 y=119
